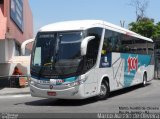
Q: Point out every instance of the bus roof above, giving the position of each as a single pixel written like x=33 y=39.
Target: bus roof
x=85 y=24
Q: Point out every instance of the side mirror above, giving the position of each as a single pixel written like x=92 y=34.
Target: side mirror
x=84 y=44
x=23 y=46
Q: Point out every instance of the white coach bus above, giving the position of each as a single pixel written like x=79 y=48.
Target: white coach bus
x=86 y=58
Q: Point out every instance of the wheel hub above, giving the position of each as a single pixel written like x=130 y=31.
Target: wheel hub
x=103 y=90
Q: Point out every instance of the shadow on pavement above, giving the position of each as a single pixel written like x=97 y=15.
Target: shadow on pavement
x=127 y=90
x=62 y=102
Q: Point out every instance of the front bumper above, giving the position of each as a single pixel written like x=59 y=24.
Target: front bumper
x=76 y=92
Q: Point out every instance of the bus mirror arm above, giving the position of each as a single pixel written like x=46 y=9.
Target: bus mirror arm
x=84 y=44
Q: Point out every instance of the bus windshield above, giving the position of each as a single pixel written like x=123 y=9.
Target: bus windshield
x=56 y=54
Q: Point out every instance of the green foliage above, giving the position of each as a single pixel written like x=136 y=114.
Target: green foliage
x=146 y=27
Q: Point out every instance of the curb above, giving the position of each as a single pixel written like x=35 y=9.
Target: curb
x=14 y=91
x=10 y=94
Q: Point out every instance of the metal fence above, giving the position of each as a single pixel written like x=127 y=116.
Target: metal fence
x=12 y=81
x=157 y=66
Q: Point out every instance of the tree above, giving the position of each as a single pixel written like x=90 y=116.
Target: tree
x=140 y=6
x=145 y=27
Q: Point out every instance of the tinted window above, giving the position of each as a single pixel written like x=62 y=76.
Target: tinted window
x=93 y=46
x=127 y=44
x=57 y=54
x=68 y=42
x=141 y=46
x=133 y=45
x=150 y=48
x=112 y=42
x=117 y=42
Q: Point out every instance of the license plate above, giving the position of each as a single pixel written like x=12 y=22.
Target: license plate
x=51 y=93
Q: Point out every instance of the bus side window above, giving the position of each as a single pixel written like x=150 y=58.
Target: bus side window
x=112 y=41
x=126 y=43
x=126 y=49
x=93 y=47
x=107 y=44
x=104 y=52
x=117 y=43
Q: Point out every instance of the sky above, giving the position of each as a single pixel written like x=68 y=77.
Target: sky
x=51 y=11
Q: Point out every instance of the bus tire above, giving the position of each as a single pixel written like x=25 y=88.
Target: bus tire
x=104 y=91
x=144 y=80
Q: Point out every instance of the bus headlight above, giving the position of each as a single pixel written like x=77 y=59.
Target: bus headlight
x=83 y=78
x=33 y=82
x=80 y=81
x=76 y=83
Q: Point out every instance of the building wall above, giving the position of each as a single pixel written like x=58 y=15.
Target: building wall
x=13 y=32
x=3 y=22
x=11 y=36
x=6 y=69
x=2 y=51
x=10 y=31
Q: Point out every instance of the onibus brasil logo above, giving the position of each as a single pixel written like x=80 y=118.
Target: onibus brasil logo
x=132 y=63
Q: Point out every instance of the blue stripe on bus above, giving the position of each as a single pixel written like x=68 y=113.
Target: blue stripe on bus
x=70 y=79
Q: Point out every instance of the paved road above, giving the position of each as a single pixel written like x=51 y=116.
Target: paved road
x=136 y=98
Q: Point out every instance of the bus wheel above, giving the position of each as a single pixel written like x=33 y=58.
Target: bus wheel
x=104 y=91
x=144 y=80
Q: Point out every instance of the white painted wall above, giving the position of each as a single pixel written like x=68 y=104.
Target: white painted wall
x=2 y=51
x=8 y=59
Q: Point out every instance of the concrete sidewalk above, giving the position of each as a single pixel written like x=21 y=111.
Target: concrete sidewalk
x=14 y=91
